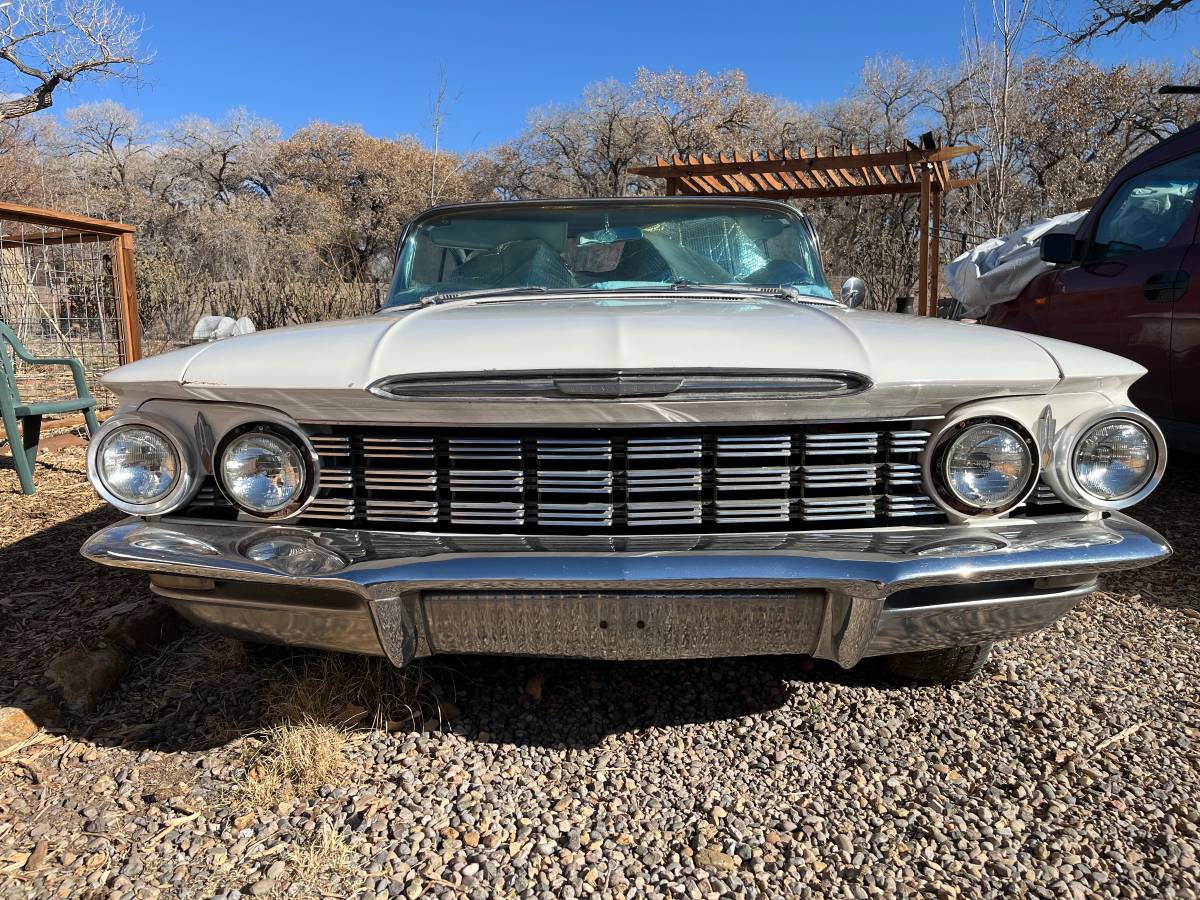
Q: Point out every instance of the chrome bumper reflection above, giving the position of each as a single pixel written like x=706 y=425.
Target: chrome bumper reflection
x=837 y=595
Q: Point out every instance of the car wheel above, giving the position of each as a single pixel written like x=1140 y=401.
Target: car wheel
x=945 y=666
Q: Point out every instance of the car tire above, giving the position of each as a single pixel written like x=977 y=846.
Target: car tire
x=940 y=666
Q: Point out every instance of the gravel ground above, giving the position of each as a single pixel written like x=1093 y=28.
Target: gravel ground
x=1069 y=768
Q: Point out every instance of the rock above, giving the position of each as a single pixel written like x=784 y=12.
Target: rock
x=15 y=726
x=715 y=860
x=38 y=856
x=84 y=676
x=261 y=888
x=145 y=630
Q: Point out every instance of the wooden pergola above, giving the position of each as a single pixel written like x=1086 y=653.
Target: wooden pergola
x=919 y=169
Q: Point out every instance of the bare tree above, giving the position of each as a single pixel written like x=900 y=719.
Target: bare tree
x=438 y=111
x=50 y=44
x=993 y=57
x=109 y=136
x=224 y=159
x=1104 y=18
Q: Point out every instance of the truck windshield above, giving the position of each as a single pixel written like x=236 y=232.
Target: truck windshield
x=606 y=247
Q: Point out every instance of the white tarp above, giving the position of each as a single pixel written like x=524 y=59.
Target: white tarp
x=998 y=269
x=216 y=328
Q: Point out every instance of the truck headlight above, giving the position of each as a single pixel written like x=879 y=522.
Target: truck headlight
x=138 y=465
x=1114 y=459
x=262 y=471
x=987 y=467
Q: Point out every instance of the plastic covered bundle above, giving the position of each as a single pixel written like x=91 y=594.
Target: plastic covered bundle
x=997 y=270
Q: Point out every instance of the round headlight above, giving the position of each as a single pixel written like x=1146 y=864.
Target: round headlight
x=262 y=472
x=987 y=467
x=1115 y=459
x=137 y=464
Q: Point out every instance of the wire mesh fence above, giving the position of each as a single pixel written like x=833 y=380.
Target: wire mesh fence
x=63 y=292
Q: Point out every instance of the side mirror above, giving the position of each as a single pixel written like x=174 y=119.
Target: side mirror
x=854 y=292
x=1058 y=248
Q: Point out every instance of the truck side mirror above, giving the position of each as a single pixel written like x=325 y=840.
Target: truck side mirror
x=1059 y=248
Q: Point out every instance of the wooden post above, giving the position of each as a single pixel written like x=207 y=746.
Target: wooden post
x=923 y=270
x=935 y=268
x=131 y=326
x=672 y=187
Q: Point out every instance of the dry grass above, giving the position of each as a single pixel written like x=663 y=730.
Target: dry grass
x=316 y=699
x=293 y=760
x=345 y=691
x=326 y=855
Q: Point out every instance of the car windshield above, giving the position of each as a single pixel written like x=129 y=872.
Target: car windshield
x=606 y=247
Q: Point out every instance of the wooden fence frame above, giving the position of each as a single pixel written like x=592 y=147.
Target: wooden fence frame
x=68 y=228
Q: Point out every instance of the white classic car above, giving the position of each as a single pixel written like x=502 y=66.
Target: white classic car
x=628 y=429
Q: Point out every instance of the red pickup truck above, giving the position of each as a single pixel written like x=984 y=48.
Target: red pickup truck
x=1128 y=281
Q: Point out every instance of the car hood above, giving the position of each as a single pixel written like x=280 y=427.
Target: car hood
x=930 y=360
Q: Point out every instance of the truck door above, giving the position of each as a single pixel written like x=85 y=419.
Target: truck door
x=1121 y=296
x=1185 y=355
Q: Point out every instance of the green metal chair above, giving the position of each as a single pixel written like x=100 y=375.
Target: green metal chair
x=23 y=421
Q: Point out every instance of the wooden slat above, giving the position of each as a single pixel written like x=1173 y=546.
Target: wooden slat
x=804 y=179
x=807 y=164
x=845 y=171
x=818 y=175
x=935 y=250
x=131 y=327
x=32 y=215
x=744 y=182
x=777 y=180
x=923 y=268
x=59 y=237
x=868 y=190
x=736 y=181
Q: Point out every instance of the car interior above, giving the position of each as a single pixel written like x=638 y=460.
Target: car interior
x=462 y=253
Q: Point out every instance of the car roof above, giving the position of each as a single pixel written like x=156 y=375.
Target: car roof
x=567 y=202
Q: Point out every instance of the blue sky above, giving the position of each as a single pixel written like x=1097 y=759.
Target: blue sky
x=377 y=63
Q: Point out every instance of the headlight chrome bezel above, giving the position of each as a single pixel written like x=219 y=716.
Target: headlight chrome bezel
x=1068 y=444
x=308 y=456
x=182 y=490
x=938 y=482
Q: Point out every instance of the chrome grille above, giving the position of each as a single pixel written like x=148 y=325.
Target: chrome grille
x=679 y=479
x=686 y=479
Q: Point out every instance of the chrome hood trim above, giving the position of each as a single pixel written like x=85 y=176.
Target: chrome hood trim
x=678 y=384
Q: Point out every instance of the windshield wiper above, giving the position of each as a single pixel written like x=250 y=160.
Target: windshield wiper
x=444 y=296
x=783 y=291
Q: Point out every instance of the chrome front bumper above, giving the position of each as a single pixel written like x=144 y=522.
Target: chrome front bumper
x=838 y=595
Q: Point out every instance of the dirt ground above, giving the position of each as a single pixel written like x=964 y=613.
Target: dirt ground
x=1070 y=767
